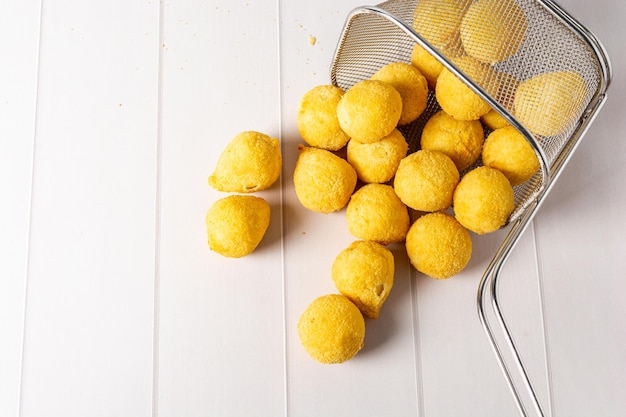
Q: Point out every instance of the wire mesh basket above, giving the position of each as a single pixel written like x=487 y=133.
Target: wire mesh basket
x=513 y=42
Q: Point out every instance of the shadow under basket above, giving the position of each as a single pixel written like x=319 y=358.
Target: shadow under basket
x=553 y=42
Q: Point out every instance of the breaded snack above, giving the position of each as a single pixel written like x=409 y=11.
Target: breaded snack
x=377 y=162
x=369 y=110
x=323 y=181
x=483 y=200
x=412 y=86
x=376 y=213
x=427 y=64
x=487 y=36
x=438 y=245
x=332 y=329
x=457 y=99
x=493 y=120
x=425 y=180
x=236 y=224
x=508 y=151
x=549 y=103
x=439 y=21
x=250 y=162
x=317 y=118
x=461 y=140
x=364 y=272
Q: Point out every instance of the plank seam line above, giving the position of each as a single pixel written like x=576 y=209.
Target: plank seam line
x=157 y=217
x=417 y=351
x=281 y=132
x=20 y=394
x=544 y=332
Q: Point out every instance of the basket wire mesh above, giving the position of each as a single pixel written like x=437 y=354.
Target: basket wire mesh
x=541 y=38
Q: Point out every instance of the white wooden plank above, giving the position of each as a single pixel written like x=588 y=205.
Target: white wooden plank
x=580 y=232
x=460 y=372
x=88 y=329
x=220 y=320
x=18 y=84
x=381 y=379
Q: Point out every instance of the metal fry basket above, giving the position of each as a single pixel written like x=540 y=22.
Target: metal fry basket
x=539 y=38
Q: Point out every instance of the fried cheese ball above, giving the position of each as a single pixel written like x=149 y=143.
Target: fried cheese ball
x=457 y=99
x=427 y=64
x=508 y=151
x=461 y=140
x=331 y=329
x=439 y=22
x=376 y=213
x=549 y=103
x=483 y=200
x=317 y=118
x=250 y=162
x=369 y=110
x=377 y=162
x=236 y=224
x=323 y=181
x=425 y=180
x=494 y=120
x=438 y=245
x=490 y=37
x=364 y=273
x=412 y=86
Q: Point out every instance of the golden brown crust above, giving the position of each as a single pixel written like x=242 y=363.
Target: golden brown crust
x=364 y=273
x=487 y=36
x=508 y=151
x=369 y=110
x=425 y=180
x=377 y=162
x=251 y=162
x=461 y=140
x=412 y=86
x=376 y=213
x=317 y=118
x=323 y=181
x=483 y=200
x=236 y=224
x=438 y=245
x=331 y=329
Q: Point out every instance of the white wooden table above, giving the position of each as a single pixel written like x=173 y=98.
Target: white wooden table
x=113 y=114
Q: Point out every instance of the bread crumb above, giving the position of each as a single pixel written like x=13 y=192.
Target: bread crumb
x=312 y=40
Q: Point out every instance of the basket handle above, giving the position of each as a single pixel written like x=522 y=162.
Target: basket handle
x=498 y=333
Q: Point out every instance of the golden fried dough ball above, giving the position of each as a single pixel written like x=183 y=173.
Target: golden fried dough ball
x=376 y=213
x=250 y=162
x=508 y=151
x=369 y=110
x=438 y=245
x=493 y=30
x=332 y=329
x=412 y=86
x=377 y=162
x=494 y=120
x=457 y=99
x=483 y=200
x=439 y=21
x=236 y=224
x=425 y=180
x=550 y=103
x=461 y=140
x=364 y=272
x=317 y=118
x=427 y=64
x=323 y=181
